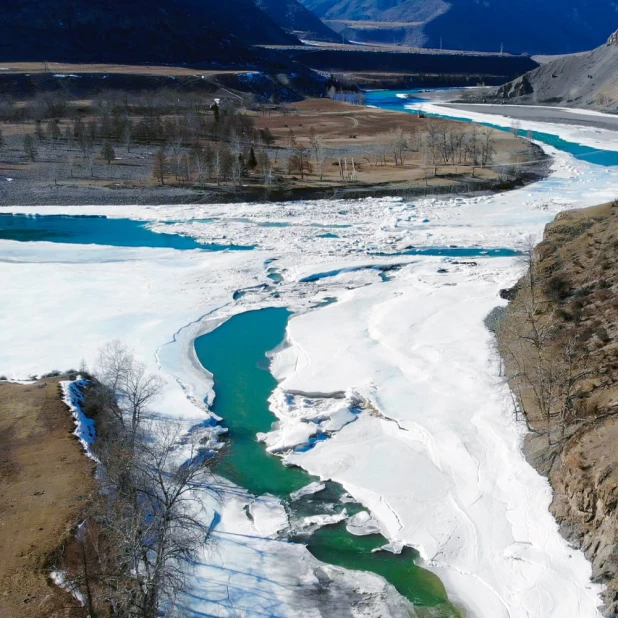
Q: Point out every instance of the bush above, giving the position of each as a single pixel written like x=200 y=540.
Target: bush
x=602 y=334
x=558 y=288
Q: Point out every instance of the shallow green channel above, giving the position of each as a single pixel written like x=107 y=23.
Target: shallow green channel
x=236 y=354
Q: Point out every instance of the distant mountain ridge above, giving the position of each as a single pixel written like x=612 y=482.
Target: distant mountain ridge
x=138 y=31
x=294 y=18
x=533 y=26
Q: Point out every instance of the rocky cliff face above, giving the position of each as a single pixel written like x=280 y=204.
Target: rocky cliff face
x=517 y=88
x=565 y=377
x=583 y=80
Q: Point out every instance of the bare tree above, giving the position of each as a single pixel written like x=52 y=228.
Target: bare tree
x=265 y=167
x=487 y=146
x=299 y=161
x=127 y=133
x=89 y=154
x=177 y=154
x=473 y=146
x=70 y=164
x=107 y=152
x=198 y=157
x=133 y=388
x=159 y=166
x=29 y=148
x=144 y=527
x=398 y=144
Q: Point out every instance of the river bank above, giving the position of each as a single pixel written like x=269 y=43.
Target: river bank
x=45 y=482
x=436 y=470
x=344 y=150
x=538 y=113
x=572 y=439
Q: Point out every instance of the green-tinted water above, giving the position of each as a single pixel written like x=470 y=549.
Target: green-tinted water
x=235 y=353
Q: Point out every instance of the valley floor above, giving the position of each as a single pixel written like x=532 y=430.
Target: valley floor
x=436 y=457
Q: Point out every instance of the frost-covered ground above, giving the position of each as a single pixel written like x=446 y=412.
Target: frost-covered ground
x=434 y=451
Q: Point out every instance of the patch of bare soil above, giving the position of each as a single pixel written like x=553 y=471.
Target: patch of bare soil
x=59 y=68
x=44 y=480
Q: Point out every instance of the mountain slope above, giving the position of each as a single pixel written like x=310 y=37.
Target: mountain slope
x=293 y=17
x=552 y=26
x=583 y=80
x=165 y=31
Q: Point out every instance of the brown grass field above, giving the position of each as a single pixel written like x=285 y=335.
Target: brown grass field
x=44 y=480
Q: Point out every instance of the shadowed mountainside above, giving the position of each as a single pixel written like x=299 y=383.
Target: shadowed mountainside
x=164 y=31
x=293 y=17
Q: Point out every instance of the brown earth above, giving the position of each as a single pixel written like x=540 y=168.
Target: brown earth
x=44 y=480
x=98 y=68
x=573 y=441
x=358 y=131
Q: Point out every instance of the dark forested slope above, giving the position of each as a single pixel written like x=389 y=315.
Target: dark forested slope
x=164 y=31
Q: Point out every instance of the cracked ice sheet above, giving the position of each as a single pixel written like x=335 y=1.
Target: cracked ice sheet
x=64 y=301
x=243 y=573
x=61 y=302
x=446 y=474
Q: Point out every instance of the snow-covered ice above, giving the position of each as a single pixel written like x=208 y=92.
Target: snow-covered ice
x=307 y=490
x=362 y=524
x=85 y=430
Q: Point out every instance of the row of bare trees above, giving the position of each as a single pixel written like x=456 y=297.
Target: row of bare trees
x=440 y=144
x=114 y=103
x=230 y=126
x=143 y=527
x=214 y=163
x=545 y=356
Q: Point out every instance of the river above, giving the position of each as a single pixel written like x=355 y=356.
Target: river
x=434 y=455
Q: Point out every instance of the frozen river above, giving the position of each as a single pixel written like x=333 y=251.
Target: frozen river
x=386 y=385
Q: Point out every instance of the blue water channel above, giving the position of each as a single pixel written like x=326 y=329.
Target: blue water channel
x=388 y=99
x=96 y=230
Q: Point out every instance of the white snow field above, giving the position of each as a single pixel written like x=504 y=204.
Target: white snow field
x=434 y=453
